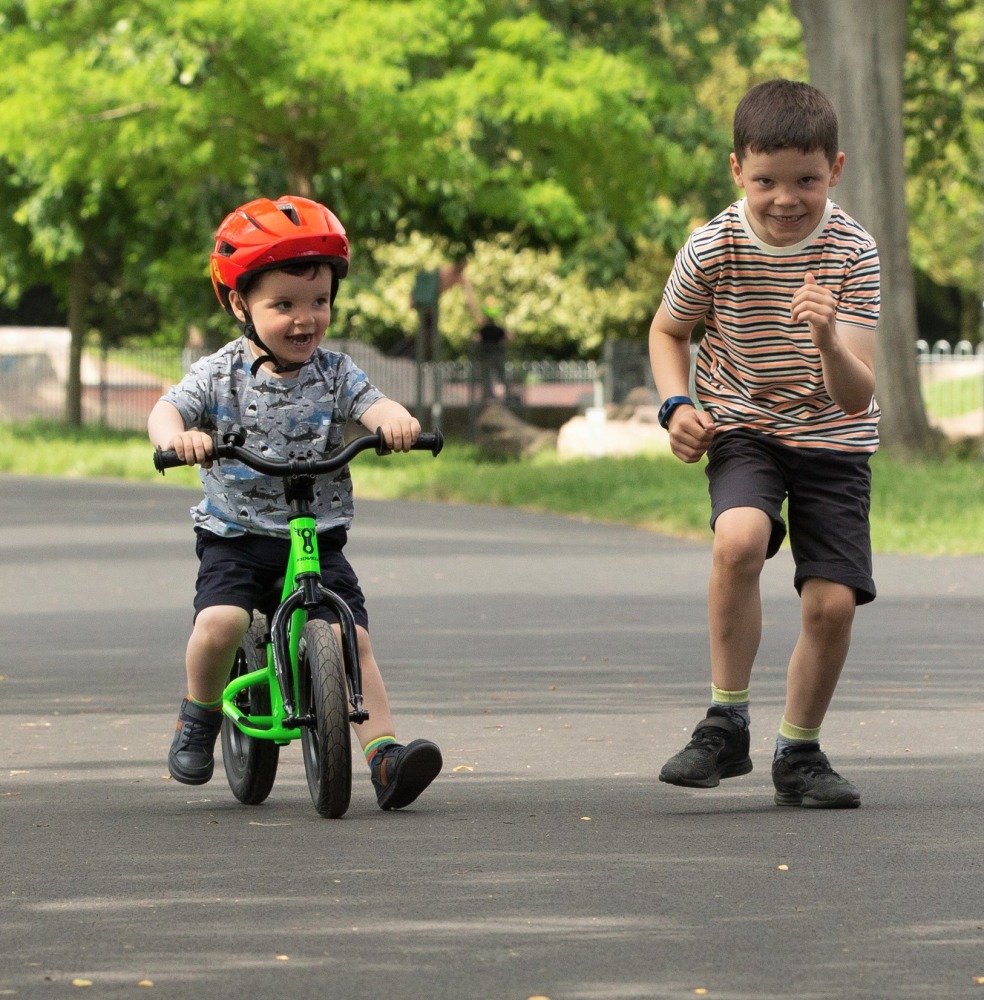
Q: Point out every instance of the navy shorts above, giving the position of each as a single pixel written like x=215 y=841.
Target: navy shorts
x=247 y=571
x=829 y=499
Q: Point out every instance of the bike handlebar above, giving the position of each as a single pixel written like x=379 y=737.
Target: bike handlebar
x=233 y=441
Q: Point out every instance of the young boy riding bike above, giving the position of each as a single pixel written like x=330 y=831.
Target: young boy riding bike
x=276 y=268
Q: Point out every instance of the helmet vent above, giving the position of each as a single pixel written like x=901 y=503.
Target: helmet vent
x=226 y=249
x=291 y=213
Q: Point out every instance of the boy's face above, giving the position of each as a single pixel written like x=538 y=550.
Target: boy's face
x=290 y=312
x=786 y=192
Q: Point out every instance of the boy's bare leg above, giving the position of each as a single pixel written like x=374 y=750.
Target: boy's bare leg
x=374 y=697
x=211 y=650
x=734 y=604
x=820 y=652
x=719 y=745
x=399 y=773
x=801 y=772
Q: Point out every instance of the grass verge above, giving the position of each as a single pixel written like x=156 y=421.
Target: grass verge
x=925 y=508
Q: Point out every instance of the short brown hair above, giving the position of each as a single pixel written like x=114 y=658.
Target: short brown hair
x=784 y=114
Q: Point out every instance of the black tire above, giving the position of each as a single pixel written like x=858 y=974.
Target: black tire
x=327 y=744
x=250 y=763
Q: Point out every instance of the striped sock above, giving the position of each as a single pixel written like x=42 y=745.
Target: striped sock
x=733 y=703
x=209 y=706
x=377 y=744
x=795 y=738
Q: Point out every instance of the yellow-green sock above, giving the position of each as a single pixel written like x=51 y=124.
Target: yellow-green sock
x=795 y=738
x=733 y=703
x=209 y=706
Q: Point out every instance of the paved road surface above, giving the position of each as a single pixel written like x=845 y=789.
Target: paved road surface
x=558 y=664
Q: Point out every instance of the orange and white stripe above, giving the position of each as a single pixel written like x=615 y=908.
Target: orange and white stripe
x=755 y=367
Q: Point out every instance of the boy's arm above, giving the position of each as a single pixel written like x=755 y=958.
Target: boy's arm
x=690 y=429
x=166 y=429
x=400 y=427
x=847 y=353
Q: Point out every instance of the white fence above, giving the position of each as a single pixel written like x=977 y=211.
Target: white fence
x=120 y=387
x=952 y=380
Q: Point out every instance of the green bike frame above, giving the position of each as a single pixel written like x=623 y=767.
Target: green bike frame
x=302 y=590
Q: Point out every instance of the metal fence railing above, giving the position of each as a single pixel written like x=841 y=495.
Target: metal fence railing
x=120 y=386
x=952 y=381
x=952 y=378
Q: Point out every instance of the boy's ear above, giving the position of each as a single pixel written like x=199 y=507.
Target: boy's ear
x=836 y=170
x=736 y=171
x=237 y=305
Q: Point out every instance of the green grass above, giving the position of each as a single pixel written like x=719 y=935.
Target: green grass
x=928 y=508
x=45 y=449
x=164 y=363
x=955 y=397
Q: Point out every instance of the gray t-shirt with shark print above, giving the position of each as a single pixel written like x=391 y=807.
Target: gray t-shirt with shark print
x=300 y=414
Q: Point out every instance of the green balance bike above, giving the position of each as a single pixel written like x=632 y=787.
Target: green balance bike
x=290 y=680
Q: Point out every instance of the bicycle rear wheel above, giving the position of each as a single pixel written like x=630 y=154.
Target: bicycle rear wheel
x=327 y=743
x=250 y=763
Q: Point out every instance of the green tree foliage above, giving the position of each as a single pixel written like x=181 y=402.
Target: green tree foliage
x=945 y=152
x=458 y=118
x=75 y=141
x=551 y=307
x=574 y=143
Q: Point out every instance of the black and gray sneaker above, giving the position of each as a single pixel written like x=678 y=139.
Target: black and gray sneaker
x=805 y=778
x=191 y=758
x=400 y=773
x=718 y=749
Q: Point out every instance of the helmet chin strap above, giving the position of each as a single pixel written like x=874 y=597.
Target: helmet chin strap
x=279 y=368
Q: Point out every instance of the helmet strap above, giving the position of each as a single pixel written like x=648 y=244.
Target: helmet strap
x=279 y=368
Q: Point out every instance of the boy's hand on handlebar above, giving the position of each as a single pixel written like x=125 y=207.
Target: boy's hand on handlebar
x=193 y=448
x=399 y=433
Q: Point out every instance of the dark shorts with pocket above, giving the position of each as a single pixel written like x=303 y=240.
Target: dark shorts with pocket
x=829 y=500
x=247 y=571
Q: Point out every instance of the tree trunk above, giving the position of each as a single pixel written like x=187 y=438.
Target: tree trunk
x=970 y=316
x=78 y=290
x=302 y=165
x=856 y=52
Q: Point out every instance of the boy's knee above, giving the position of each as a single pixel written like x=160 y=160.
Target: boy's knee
x=828 y=605
x=222 y=625
x=741 y=539
x=737 y=553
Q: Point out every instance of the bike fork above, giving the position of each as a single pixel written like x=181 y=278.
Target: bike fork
x=308 y=596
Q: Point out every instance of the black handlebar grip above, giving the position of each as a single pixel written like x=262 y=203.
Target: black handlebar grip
x=432 y=441
x=166 y=460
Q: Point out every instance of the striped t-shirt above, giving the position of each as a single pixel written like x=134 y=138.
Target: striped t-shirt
x=755 y=367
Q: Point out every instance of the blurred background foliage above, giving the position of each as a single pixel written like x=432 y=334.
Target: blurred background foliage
x=566 y=147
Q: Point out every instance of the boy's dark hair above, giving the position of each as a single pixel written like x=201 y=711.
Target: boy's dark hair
x=785 y=114
x=299 y=268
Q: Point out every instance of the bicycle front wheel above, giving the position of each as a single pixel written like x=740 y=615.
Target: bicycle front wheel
x=250 y=763
x=327 y=742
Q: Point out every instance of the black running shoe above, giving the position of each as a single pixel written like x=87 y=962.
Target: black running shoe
x=805 y=778
x=718 y=749
x=400 y=773
x=191 y=758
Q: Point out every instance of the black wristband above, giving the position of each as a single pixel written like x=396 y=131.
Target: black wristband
x=669 y=405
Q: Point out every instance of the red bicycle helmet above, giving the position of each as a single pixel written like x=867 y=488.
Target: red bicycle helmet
x=265 y=234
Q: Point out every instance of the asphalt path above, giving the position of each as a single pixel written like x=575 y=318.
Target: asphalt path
x=558 y=663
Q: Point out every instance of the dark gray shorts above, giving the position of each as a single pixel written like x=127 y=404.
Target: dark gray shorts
x=247 y=572
x=829 y=499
